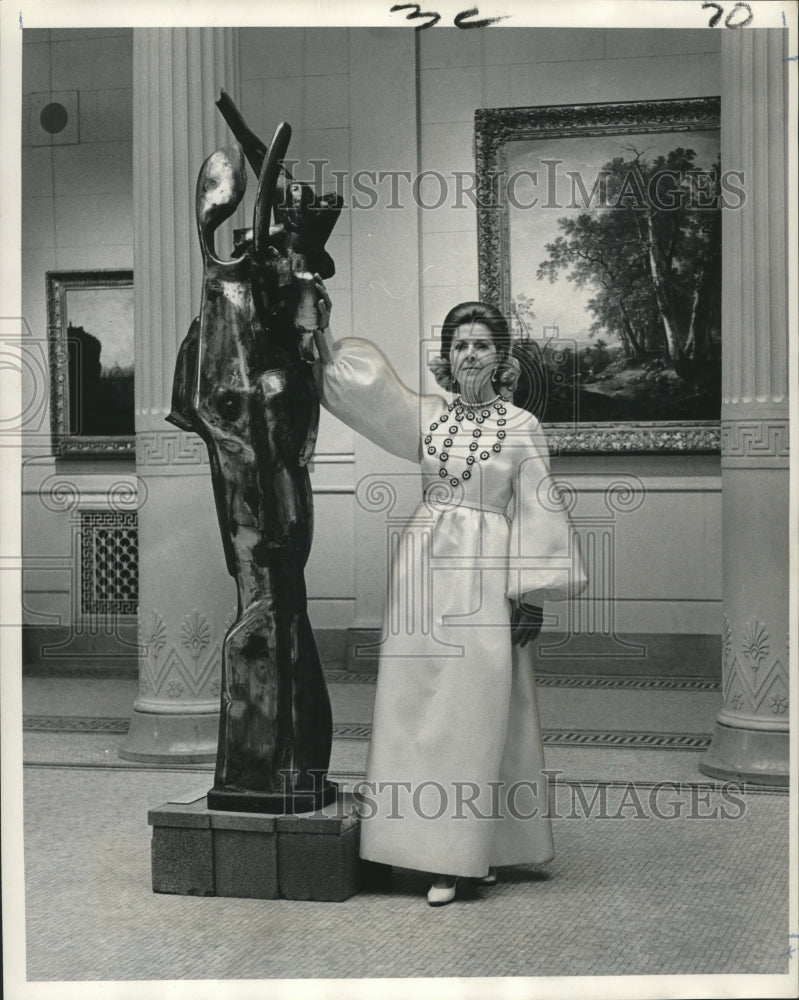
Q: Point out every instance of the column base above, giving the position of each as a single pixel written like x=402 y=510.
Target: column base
x=161 y=738
x=753 y=756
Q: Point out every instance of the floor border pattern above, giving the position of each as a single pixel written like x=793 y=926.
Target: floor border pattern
x=363 y=731
x=569 y=681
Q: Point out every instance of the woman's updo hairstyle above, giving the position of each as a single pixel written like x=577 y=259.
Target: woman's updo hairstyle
x=466 y=313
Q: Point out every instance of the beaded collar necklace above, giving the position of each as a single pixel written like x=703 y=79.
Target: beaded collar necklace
x=476 y=414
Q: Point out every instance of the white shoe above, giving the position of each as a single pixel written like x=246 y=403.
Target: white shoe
x=490 y=878
x=442 y=891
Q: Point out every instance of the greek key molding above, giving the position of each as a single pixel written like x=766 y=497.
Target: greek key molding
x=171 y=452
x=174 y=452
x=177 y=452
x=764 y=441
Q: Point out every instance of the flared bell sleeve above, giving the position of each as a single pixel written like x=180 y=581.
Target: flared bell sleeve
x=359 y=386
x=544 y=561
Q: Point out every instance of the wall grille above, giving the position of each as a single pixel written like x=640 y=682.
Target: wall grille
x=109 y=562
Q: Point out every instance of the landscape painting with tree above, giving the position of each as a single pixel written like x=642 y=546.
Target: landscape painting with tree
x=603 y=244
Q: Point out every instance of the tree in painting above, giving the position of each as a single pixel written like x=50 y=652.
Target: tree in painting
x=649 y=252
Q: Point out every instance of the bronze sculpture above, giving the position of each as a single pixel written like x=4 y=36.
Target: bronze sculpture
x=243 y=383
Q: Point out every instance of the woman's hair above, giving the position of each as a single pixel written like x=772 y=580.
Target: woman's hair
x=507 y=369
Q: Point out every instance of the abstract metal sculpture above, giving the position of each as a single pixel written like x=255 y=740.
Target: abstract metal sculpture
x=243 y=383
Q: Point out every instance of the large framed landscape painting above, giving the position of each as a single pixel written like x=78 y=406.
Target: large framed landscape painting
x=599 y=234
x=90 y=317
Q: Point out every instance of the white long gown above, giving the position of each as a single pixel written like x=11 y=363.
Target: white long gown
x=454 y=779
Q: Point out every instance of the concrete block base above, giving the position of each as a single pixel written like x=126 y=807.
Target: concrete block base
x=197 y=851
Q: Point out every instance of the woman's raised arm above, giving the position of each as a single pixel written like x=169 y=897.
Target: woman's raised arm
x=358 y=385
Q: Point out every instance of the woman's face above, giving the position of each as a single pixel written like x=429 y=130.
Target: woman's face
x=473 y=358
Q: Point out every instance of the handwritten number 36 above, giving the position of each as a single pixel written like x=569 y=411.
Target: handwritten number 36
x=728 y=20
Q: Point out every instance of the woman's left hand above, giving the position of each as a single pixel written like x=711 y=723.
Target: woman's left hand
x=323 y=304
x=525 y=623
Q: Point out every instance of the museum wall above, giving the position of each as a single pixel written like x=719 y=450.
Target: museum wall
x=666 y=573
x=666 y=567
x=383 y=99
x=77 y=194
x=77 y=214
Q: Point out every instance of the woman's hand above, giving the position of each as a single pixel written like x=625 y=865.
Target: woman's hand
x=525 y=623
x=323 y=304
x=322 y=338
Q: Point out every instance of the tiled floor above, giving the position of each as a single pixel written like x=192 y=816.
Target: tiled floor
x=628 y=893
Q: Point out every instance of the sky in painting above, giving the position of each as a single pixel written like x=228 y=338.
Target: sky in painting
x=106 y=313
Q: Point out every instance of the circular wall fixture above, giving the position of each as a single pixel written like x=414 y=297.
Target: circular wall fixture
x=54 y=118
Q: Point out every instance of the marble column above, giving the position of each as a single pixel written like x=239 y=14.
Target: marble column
x=385 y=275
x=186 y=598
x=750 y=740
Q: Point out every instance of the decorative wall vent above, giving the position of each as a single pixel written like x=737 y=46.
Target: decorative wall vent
x=109 y=562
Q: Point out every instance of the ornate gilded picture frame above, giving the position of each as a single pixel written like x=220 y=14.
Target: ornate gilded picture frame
x=599 y=236
x=90 y=325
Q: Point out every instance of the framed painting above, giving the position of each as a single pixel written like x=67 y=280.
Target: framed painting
x=90 y=319
x=599 y=236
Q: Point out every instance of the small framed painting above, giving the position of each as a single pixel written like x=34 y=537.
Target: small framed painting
x=90 y=317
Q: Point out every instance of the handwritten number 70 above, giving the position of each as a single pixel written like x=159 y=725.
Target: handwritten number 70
x=462 y=20
x=728 y=22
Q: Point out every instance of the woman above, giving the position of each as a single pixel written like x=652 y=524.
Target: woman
x=454 y=782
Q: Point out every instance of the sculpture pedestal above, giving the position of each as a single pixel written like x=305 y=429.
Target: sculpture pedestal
x=197 y=851
x=263 y=802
